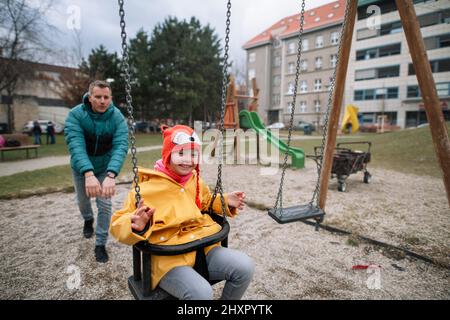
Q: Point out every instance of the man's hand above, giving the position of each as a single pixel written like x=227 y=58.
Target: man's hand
x=141 y=216
x=108 y=187
x=236 y=199
x=92 y=186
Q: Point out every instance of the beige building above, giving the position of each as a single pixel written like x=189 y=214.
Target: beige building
x=272 y=60
x=381 y=79
x=37 y=98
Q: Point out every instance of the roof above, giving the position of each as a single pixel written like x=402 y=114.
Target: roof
x=327 y=14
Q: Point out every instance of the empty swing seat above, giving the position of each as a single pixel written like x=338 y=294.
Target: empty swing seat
x=140 y=282
x=297 y=213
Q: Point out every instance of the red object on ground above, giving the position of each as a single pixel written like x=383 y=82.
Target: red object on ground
x=364 y=266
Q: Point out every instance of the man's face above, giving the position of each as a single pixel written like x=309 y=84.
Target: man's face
x=100 y=98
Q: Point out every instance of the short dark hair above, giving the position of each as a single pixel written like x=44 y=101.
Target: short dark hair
x=99 y=83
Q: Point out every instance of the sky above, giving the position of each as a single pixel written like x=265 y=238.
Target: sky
x=97 y=22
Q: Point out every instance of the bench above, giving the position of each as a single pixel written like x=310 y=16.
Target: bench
x=24 y=144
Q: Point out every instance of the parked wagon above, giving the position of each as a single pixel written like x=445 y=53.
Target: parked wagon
x=346 y=162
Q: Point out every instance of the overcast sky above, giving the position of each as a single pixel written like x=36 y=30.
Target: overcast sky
x=99 y=20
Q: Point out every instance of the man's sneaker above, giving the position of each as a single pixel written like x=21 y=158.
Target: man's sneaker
x=88 y=229
x=100 y=254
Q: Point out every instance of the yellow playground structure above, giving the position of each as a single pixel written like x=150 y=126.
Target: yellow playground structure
x=350 y=123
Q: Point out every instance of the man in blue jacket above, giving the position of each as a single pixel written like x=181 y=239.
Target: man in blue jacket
x=97 y=137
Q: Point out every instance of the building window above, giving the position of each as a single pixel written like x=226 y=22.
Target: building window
x=303 y=86
x=276 y=43
x=442 y=88
x=319 y=41
x=289 y=107
x=252 y=57
x=290 y=88
x=358 y=95
x=251 y=74
x=425 y=20
x=276 y=100
x=304 y=65
x=328 y=86
x=318 y=63
x=317 y=84
x=384 y=51
x=413 y=92
x=317 y=105
x=305 y=45
x=334 y=38
x=392 y=93
x=384 y=72
x=376 y=94
x=436 y=66
x=388 y=72
x=277 y=61
x=391 y=28
x=276 y=80
x=291 y=67
x=436 y=42
x=291 y=48
x=333 y=60
x=303 y=106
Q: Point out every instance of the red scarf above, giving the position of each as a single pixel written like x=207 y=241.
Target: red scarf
x=159 y=166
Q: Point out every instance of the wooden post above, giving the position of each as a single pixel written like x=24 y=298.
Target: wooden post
x=338 y=94
x=427 y=86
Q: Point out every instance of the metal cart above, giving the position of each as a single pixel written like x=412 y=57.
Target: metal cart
x=346 y=162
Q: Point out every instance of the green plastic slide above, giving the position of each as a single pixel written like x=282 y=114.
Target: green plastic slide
x=251 y=120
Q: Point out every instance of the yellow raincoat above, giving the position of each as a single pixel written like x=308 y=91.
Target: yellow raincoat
x=177 y=219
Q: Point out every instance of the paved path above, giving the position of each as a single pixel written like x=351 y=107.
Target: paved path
x=9 y=168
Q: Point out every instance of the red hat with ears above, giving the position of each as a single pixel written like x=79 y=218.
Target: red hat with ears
x=177 y=138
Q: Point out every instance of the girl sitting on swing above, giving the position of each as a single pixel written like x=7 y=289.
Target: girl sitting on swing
x=169 y=213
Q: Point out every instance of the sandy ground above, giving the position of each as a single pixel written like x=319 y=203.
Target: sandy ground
x=42 y=248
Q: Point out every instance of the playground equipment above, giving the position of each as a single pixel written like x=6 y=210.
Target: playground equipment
x=231 y=120
x=350 y=123
x=251 y=120
x=315 y=209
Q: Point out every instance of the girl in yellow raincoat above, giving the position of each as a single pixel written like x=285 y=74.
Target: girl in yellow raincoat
x=173 y=196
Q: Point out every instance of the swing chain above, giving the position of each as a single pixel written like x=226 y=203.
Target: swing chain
x=315 y=199
x=219 y=189
x=279 y=199
x=126 y=76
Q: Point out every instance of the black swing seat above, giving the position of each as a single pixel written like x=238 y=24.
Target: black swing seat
x=297 y=213
x=140 y=282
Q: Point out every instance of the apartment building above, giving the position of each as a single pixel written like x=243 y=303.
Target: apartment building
x=272 y=60
x=381 y=79
x=36 y=97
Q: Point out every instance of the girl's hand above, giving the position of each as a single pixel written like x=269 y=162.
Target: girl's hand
x=236 y=199
x=141 y=216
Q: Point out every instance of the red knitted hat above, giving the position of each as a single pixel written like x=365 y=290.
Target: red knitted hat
x=181 y=137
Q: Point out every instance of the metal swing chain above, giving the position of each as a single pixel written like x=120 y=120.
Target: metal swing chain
x=219 y=188
x=127 y=78
x=314 y=199
x=279 y=199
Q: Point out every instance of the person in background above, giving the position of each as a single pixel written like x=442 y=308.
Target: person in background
x=37 y=131
x=51 y=132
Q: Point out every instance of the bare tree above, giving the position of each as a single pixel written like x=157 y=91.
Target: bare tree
x=23 y=31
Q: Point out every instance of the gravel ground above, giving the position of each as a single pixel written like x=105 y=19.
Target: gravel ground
x=42 y=248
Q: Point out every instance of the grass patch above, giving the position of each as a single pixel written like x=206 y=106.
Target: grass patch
x=408 y=151
x=58 y=178
x=60 y=147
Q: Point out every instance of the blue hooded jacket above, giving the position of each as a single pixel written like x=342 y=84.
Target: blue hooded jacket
x=97 y=142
